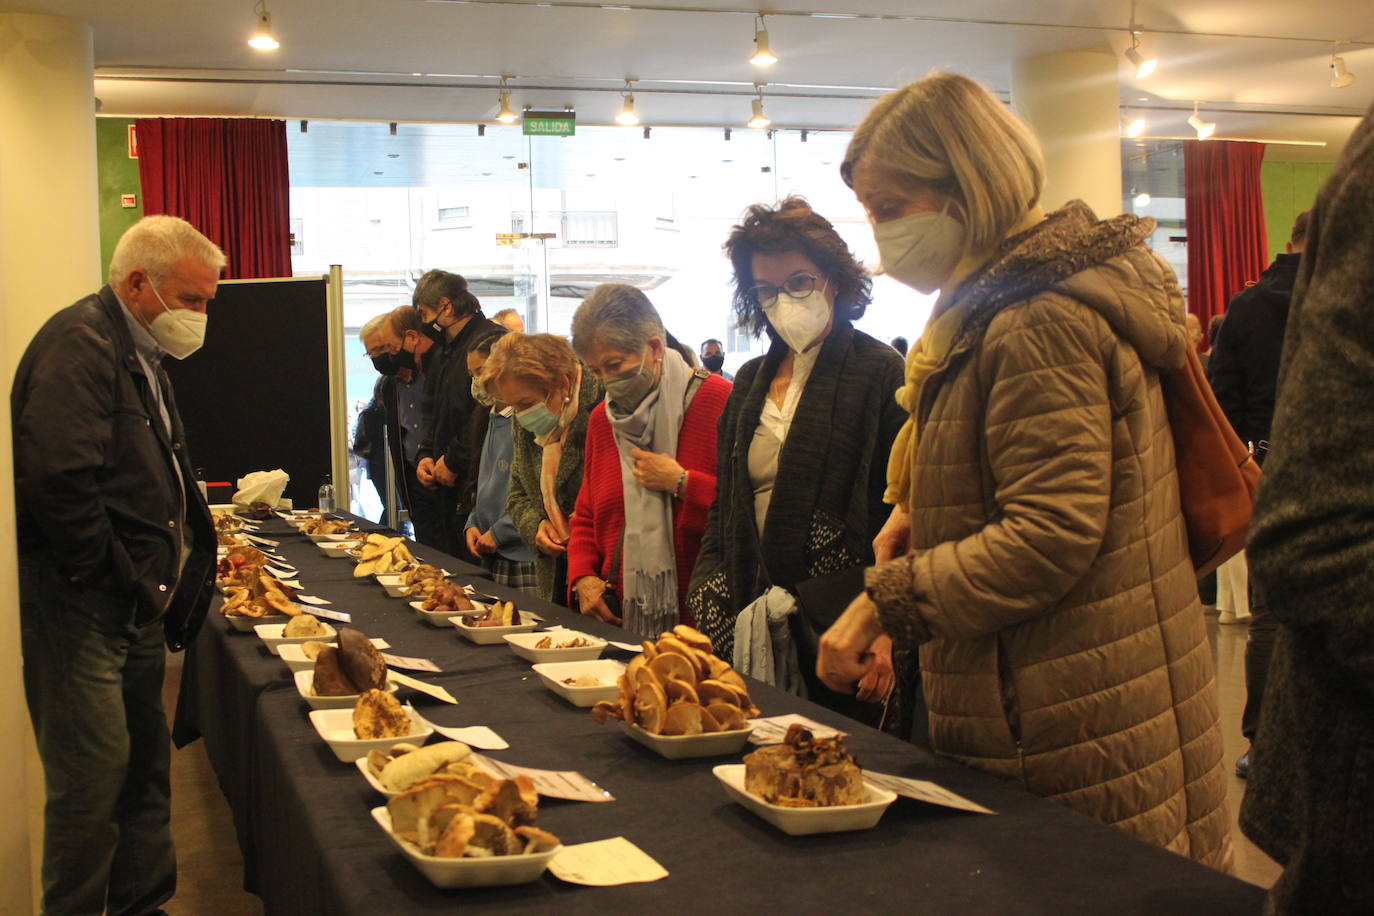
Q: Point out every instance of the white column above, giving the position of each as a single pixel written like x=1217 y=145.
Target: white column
x=49 y=258
x=1072 y=102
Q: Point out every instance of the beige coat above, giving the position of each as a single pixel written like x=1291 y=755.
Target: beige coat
x=1050 y=588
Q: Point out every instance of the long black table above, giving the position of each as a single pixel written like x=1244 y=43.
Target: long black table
x=311 y=846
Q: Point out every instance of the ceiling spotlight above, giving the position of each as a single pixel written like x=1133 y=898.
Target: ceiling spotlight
x=727 y=133
x=763 y=54
x=759 y=119
x=305 y=127
x=506 y=115
x=393 y=128
x=1144 y=66
x=481 y=130
x=646 y=132
x=1340 y=77
x=804 y=135
x=262 y=37
x=627 y=115
x=1135 y=127
x=1141 y=200
x=1204 y=129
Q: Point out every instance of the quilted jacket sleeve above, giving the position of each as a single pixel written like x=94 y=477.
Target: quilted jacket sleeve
x=1047 y=433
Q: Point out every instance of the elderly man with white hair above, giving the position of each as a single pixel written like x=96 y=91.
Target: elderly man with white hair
x=116 y=557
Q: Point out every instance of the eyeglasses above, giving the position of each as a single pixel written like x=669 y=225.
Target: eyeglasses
x=798 y=286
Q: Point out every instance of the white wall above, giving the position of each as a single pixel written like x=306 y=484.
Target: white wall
x=49 y=257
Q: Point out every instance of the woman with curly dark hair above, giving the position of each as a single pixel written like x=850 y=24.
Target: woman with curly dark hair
x=801 y=455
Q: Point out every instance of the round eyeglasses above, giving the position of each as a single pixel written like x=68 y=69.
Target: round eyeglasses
x=798 y=286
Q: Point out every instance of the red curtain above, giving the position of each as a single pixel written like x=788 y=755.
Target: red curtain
x=228 y=178
x=1224 y=209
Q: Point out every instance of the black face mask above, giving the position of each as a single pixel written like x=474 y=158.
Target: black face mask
x=713 y=363
x=391 y=363
x=433 y=330
x=385 y=364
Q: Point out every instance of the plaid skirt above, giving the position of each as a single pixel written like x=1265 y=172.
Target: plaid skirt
x=511 y=573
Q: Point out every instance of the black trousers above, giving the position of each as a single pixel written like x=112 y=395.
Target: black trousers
x=1259 y=646
x=427 y=513
x=93 y=682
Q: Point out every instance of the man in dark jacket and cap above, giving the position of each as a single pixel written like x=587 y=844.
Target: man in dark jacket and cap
x=1310 y=801
x=1244 y=372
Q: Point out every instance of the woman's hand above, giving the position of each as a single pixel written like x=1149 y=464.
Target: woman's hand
x=486 y=545
x=846 y=648
x=894 y=538
x=591 y=599
x=473 y=535
x=443 y=475
x=877 y=683
x=548 y=542
x=424 y=472
x=656 y=471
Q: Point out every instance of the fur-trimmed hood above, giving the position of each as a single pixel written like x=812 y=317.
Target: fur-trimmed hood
x=1104 y=264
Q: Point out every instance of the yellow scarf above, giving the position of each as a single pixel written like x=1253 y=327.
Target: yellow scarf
x=928 y=353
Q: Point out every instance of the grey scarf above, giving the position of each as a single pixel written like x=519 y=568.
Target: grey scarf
x=649 y=602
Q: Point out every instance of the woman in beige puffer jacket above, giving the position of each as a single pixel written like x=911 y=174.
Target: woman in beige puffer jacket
x=1038 y=555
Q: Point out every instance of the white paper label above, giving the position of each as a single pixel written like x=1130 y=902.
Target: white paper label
x=568 y=784
x=605 y=863
x=433 y=690
x=478 y=736
x=924 y=791
x=410 y=664
x=627 y=646
x=311 y=599
x=330 y=615
x=265 y=542
x=774 y=728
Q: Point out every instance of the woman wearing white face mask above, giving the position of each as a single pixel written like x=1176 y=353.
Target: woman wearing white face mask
x=650 y=466
x=552 y=395
x=803 y=443
x=1036 y=555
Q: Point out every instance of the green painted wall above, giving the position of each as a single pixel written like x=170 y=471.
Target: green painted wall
x=1289 y=188
x=117 y=174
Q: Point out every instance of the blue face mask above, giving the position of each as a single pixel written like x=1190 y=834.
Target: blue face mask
x=537 y=419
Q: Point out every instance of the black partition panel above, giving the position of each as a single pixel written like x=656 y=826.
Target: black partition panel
x=256 y=396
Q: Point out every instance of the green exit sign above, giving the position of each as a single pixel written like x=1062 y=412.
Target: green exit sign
x=550 y=123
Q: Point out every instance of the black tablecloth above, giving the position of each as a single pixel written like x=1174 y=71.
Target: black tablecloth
x=310 y=845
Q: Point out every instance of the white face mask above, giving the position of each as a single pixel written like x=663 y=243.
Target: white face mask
x=799 y=321
x=920 y=250
x=180 y=332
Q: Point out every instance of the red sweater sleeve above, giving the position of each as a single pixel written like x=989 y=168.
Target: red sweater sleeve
x=584 y=552
x=696 y=452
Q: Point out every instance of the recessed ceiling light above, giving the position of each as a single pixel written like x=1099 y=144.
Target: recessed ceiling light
x=378 y=173
x=393 y=155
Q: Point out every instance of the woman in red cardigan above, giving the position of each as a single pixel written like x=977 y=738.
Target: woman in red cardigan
x=649 y=471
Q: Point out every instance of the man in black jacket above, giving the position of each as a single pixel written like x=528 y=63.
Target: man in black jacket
x=116 y=557
x=1244 y=372
x=453 y=319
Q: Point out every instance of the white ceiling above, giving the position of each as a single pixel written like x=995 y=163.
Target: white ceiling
x=165 y=57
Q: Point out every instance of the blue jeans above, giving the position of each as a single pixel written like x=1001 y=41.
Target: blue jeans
x=93 y=682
